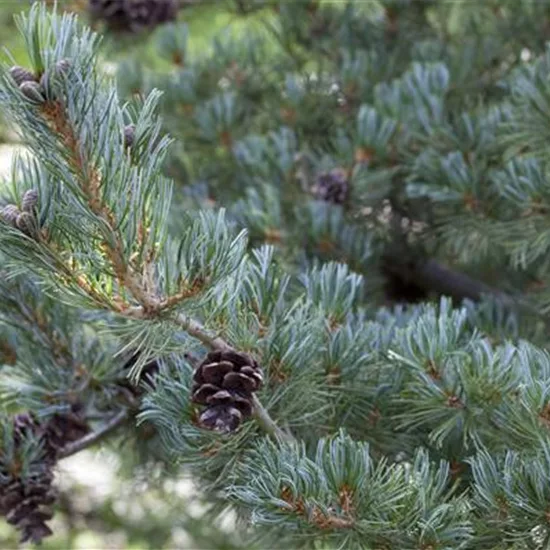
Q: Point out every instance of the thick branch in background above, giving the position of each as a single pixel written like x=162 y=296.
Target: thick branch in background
x=416 y=276
x=430 y=276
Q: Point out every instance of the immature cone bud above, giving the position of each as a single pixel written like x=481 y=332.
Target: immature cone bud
x=50 y=76
x=129 y=135
x=225 y=382
x=27 y=224
x=20 y=75
x=33 y=91
x=62 y=66
x=9 y=214
x=30 y=199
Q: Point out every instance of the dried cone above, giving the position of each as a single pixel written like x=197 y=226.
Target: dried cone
x=332 y=186
x=133 y=15
x=225 y=382
x=24 y=502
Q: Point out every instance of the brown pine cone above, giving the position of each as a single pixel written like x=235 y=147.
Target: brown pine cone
x=225 y=382
x=25 y=506
x=24 y=500
x=133 y=15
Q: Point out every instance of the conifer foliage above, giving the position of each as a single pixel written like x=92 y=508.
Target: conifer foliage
x=253 y=345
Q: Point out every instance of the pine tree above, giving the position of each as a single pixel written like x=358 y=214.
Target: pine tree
x=235 y=299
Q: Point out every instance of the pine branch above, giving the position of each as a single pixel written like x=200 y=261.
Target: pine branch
x=195 y=329
x=131 y=276
x=90 y=181
x=266 y=422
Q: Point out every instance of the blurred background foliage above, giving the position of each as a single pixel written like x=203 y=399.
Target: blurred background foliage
x=115 y=507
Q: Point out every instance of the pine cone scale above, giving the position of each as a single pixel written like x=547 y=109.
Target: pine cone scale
x=238 y=381
x=214 y=372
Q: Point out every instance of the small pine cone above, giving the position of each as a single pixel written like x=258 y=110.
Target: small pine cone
x=24 y=500
x=33 y=91
x=25 y=505
x=129 y=135
x=332 y=186
x=62 y=66
x=10 y=495
x=27 y=223
x=221 y=418
x=29 y=201
x=133 y=15
x=9 y=214
x=51 y=76
x=46 y=84
x=20 y=75
x=225 y=382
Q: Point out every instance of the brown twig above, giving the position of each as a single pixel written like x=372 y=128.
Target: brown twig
x=314 y=515
x=94 y=437
x=267 y=423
